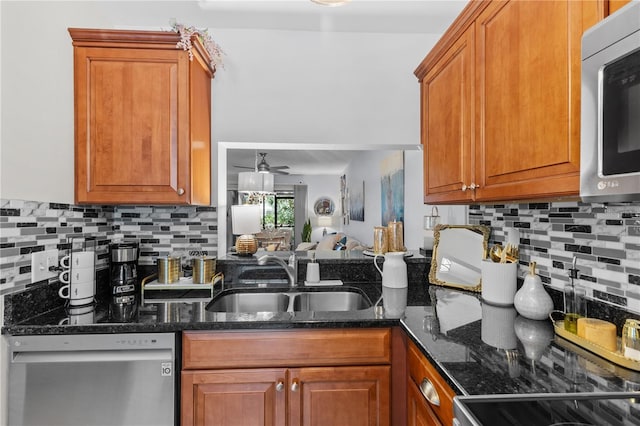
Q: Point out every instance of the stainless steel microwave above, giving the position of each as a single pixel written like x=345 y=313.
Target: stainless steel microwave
x=610 y=114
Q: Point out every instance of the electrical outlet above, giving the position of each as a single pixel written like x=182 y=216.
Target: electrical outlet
x=41 y=261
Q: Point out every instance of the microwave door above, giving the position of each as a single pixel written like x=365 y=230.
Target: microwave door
x=610 y=108
x=620 y=146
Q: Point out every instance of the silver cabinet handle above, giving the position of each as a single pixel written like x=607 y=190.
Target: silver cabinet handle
x=429 y=392
x=294 y=386
x=180 y=191
x=474 y=186
x=280 y=386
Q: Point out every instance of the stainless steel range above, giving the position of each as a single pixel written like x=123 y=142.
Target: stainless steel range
x=567 y=409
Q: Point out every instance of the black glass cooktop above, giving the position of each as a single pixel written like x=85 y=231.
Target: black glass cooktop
x=582 y=409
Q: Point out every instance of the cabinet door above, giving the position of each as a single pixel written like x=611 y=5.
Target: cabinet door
x=132 y=132
x=419 y=412
x=422 y=373
x=200 y=136
x=447 y=111
x=528 y=97
x=354 y=396
x=233 y=397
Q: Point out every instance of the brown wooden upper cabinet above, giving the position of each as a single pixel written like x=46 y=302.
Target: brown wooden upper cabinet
x=614 y=5
x=500 y=100
x=142 y=118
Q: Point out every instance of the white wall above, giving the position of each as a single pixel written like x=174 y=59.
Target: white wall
x=367 y=168
x=277 y=86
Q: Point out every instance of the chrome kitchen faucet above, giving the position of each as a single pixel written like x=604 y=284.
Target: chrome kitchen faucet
x=291 y=268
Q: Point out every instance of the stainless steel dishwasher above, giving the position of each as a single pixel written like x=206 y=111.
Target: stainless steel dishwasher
x=93 y=379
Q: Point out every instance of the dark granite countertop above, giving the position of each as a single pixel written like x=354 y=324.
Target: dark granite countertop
x=187 y=311
x=483 y=349
x=478 y=348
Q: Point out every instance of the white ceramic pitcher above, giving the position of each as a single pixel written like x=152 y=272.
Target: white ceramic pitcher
x=394 y=283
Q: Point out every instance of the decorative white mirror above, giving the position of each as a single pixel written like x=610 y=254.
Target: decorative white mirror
x=324 y=206
x=457 y=255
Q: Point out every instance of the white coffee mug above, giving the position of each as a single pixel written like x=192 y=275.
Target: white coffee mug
x=84 y=317
x=78 y=293
x=77 y=275
x=81 y=259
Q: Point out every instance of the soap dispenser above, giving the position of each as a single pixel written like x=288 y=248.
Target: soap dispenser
x=575 y=303
x=313 y=270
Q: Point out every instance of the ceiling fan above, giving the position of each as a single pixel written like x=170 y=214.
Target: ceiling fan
x=263 y=167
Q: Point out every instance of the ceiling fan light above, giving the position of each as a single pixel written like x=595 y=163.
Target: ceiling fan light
x=257 y=182
x=331 y=3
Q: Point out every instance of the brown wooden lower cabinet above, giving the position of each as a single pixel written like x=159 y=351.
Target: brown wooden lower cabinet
x=434 y=405
x=419 y=413
x=233 y=397
x=355 y=396
x=351 y=389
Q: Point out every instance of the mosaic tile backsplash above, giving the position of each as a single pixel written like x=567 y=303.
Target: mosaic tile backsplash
x=29 y=226
x=605 y=239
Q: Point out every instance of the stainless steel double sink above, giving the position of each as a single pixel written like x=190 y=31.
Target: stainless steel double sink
x=290 y=300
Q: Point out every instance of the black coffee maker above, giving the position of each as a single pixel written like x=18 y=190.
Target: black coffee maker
x=124 y=268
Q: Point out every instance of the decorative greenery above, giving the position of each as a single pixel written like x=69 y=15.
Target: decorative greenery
x=213 y=48
x=306 y=232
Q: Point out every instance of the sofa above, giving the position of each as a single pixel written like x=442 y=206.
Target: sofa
x=279 y=239
x=335 y=241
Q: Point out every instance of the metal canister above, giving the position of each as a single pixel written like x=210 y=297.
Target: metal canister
x=204 y=268
x=430 y=222
x=168 y=269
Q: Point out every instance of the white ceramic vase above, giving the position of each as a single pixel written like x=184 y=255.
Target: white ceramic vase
x=394 y=284
x=532 y=300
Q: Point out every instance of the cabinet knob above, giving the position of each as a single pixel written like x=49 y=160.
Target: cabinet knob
x=429 y=392
x=280 y=386
x=294 y=386
x=470 y=187
x=180 y=191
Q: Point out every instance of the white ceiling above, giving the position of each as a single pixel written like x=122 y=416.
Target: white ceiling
x=377 y=16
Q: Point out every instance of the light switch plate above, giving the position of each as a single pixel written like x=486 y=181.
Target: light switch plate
x=40 y=263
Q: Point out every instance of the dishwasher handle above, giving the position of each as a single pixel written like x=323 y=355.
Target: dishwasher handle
x=119 y=355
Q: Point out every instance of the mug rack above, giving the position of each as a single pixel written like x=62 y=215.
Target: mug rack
x=150 y=283
x=58 y=268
